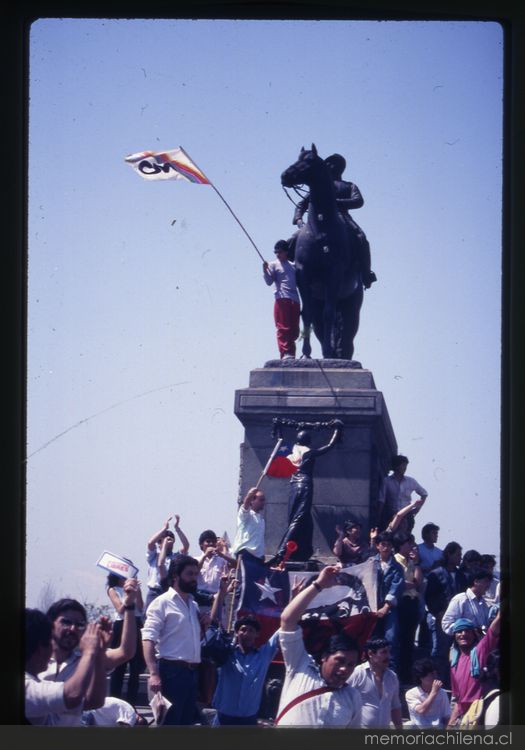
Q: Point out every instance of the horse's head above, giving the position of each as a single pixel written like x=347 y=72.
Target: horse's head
x=302 y=171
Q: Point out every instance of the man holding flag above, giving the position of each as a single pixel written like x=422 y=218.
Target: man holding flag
x=251 y=525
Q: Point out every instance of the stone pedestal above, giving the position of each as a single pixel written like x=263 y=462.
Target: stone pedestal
x=347 y=479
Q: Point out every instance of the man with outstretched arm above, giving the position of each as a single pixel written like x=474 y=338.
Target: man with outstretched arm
x=316 y=694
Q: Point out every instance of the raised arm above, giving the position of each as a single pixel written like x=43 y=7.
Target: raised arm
x=495 y=625
x=158 y=535
x=338 y=544
x=128 y=642
x=333 y=440
x=182 y=536
x=412 y=507
x=424 y=707
x=81 y=682
x=294 y=610
x=247 y=502
x=267 y=273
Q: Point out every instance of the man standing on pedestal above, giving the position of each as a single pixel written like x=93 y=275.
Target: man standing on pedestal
x=287 y=307
x=396 y=492
x=250 y=525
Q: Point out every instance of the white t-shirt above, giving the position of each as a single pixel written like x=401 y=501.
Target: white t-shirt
x=114 y=711
x=44 y=701
x=377 y=709
x=250 y=532
x=435 y=716
x=340 y=707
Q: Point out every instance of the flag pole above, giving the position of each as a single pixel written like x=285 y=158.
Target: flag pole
x=232 y=603
x=225 y=203
x=265 y=470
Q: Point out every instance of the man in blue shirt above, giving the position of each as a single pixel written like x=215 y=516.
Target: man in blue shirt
x=241 y=679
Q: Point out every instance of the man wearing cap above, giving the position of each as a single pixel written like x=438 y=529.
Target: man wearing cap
x=348 y=196
x=469 y=656
x=286 y=310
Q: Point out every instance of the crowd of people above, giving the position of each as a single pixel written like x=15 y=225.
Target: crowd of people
x=433 y=651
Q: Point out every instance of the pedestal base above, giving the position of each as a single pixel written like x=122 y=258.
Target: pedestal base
x=347 y=479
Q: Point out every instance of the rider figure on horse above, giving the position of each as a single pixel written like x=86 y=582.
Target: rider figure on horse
x=348 y=196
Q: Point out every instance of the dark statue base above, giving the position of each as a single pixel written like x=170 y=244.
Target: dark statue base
x=346 y=480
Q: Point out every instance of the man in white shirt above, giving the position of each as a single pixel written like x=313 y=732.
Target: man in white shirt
x=251 y=525
x=396 y=492
x=378 y=686
x=171 y=639
x=470 y=604
x=69 y=621
x=46 y=702
x=316 y=694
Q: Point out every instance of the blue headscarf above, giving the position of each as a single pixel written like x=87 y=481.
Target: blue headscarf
x=464 y=624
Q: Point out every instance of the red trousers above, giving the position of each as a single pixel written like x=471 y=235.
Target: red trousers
x=286 y=315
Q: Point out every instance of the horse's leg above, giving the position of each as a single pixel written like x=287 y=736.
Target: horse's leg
x=306 y=314
x=333 y=284
x=350 y=308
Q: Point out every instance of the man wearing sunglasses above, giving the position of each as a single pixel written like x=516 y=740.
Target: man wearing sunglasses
x=69 y=622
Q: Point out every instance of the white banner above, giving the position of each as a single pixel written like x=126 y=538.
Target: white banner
x=121 y=566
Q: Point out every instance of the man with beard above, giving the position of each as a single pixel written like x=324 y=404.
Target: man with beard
x=46 y=701
x=173 y=631
x=69 y=621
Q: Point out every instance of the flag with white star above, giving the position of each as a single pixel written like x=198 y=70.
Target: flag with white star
x=264 y=593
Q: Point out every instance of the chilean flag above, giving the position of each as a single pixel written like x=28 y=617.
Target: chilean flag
x=264 y=593
x=286 y=461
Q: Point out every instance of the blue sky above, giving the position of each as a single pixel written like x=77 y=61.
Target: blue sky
x=147 y=307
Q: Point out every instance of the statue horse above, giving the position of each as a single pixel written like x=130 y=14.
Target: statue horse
x=326 y=262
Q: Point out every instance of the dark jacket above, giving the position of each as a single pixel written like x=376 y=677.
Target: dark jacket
x=439 y=590
x=391 y=582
